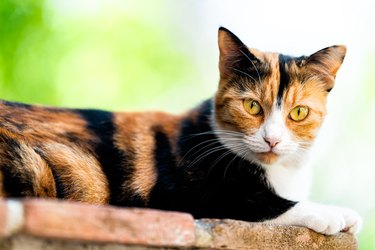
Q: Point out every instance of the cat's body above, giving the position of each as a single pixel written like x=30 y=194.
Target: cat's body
x=239 y=155
x=150 y=159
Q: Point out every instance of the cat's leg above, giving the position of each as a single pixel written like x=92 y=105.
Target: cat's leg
x=324 y=219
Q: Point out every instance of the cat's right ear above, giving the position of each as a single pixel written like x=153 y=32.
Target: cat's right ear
x=234 y=54
x=328 y=59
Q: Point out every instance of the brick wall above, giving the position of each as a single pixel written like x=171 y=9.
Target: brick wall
x=41 y=224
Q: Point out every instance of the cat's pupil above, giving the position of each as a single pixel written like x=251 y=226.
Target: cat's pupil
x=298 y=112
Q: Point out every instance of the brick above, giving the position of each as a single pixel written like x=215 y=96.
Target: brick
x=3 y=216
x=230 y=234
x=22 y=242
x=74 y=221
x=40 y=224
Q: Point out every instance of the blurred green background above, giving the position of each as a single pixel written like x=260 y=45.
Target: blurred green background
x=109 y=55
x=162 y=55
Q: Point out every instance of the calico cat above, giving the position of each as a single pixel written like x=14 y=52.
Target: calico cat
x=239 y=155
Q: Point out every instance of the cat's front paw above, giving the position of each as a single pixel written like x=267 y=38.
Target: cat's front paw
x=353 y=221
x=321 y=218
x=331 y=220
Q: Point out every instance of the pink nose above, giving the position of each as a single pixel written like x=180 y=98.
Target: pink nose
x=271 y=141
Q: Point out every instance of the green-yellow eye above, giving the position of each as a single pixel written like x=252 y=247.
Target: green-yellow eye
x=252 y=107
x=299 y=113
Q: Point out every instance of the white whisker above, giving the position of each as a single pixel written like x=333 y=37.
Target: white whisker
x=260 y=80
x=243 y=72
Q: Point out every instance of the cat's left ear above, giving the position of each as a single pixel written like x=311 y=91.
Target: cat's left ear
x=328 y=60
x=234 y=55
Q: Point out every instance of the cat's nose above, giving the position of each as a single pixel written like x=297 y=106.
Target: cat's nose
x=272 y=141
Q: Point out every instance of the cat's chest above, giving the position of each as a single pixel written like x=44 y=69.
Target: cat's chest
x=290 y=182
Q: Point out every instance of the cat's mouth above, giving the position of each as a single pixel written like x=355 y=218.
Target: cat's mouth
x=267 y=157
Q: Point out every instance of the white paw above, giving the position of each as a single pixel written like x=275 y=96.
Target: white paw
x=321 y=218
x=331 y=220
x=353 y=221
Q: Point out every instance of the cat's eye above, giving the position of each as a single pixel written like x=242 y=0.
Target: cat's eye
x=252 y=107
x=299 y=113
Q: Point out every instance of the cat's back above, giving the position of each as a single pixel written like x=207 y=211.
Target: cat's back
x=36 y=122
x=88 y=155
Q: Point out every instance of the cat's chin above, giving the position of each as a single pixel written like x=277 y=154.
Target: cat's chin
x=267 y=157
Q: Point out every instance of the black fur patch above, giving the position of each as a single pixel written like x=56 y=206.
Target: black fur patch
x=165 y=164
x=284 y=76
x=14 y=184
x=212 y=183
x=164 y=158
x=116 y=165
x=250 y=68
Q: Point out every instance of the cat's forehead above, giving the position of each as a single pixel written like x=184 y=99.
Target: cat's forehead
x=278 y=63
x=277 y=72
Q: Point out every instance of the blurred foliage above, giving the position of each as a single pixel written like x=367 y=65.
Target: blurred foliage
x=109 y=56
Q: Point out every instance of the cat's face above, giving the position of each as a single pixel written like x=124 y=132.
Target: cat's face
x=269 y=107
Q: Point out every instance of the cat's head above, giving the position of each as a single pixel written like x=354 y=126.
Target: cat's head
x=269 y=106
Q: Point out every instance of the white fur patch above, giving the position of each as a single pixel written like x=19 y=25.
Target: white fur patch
x=320 y=218
x=288 y=181
x=290 y=175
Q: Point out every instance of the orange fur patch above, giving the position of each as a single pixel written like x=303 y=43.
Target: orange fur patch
x=135 y=134
x=79 y=172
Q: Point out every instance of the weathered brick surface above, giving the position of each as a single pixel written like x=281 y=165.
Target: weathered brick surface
x=41 y=224
x=72 y=221
x=231 y=234
x=21 y=242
